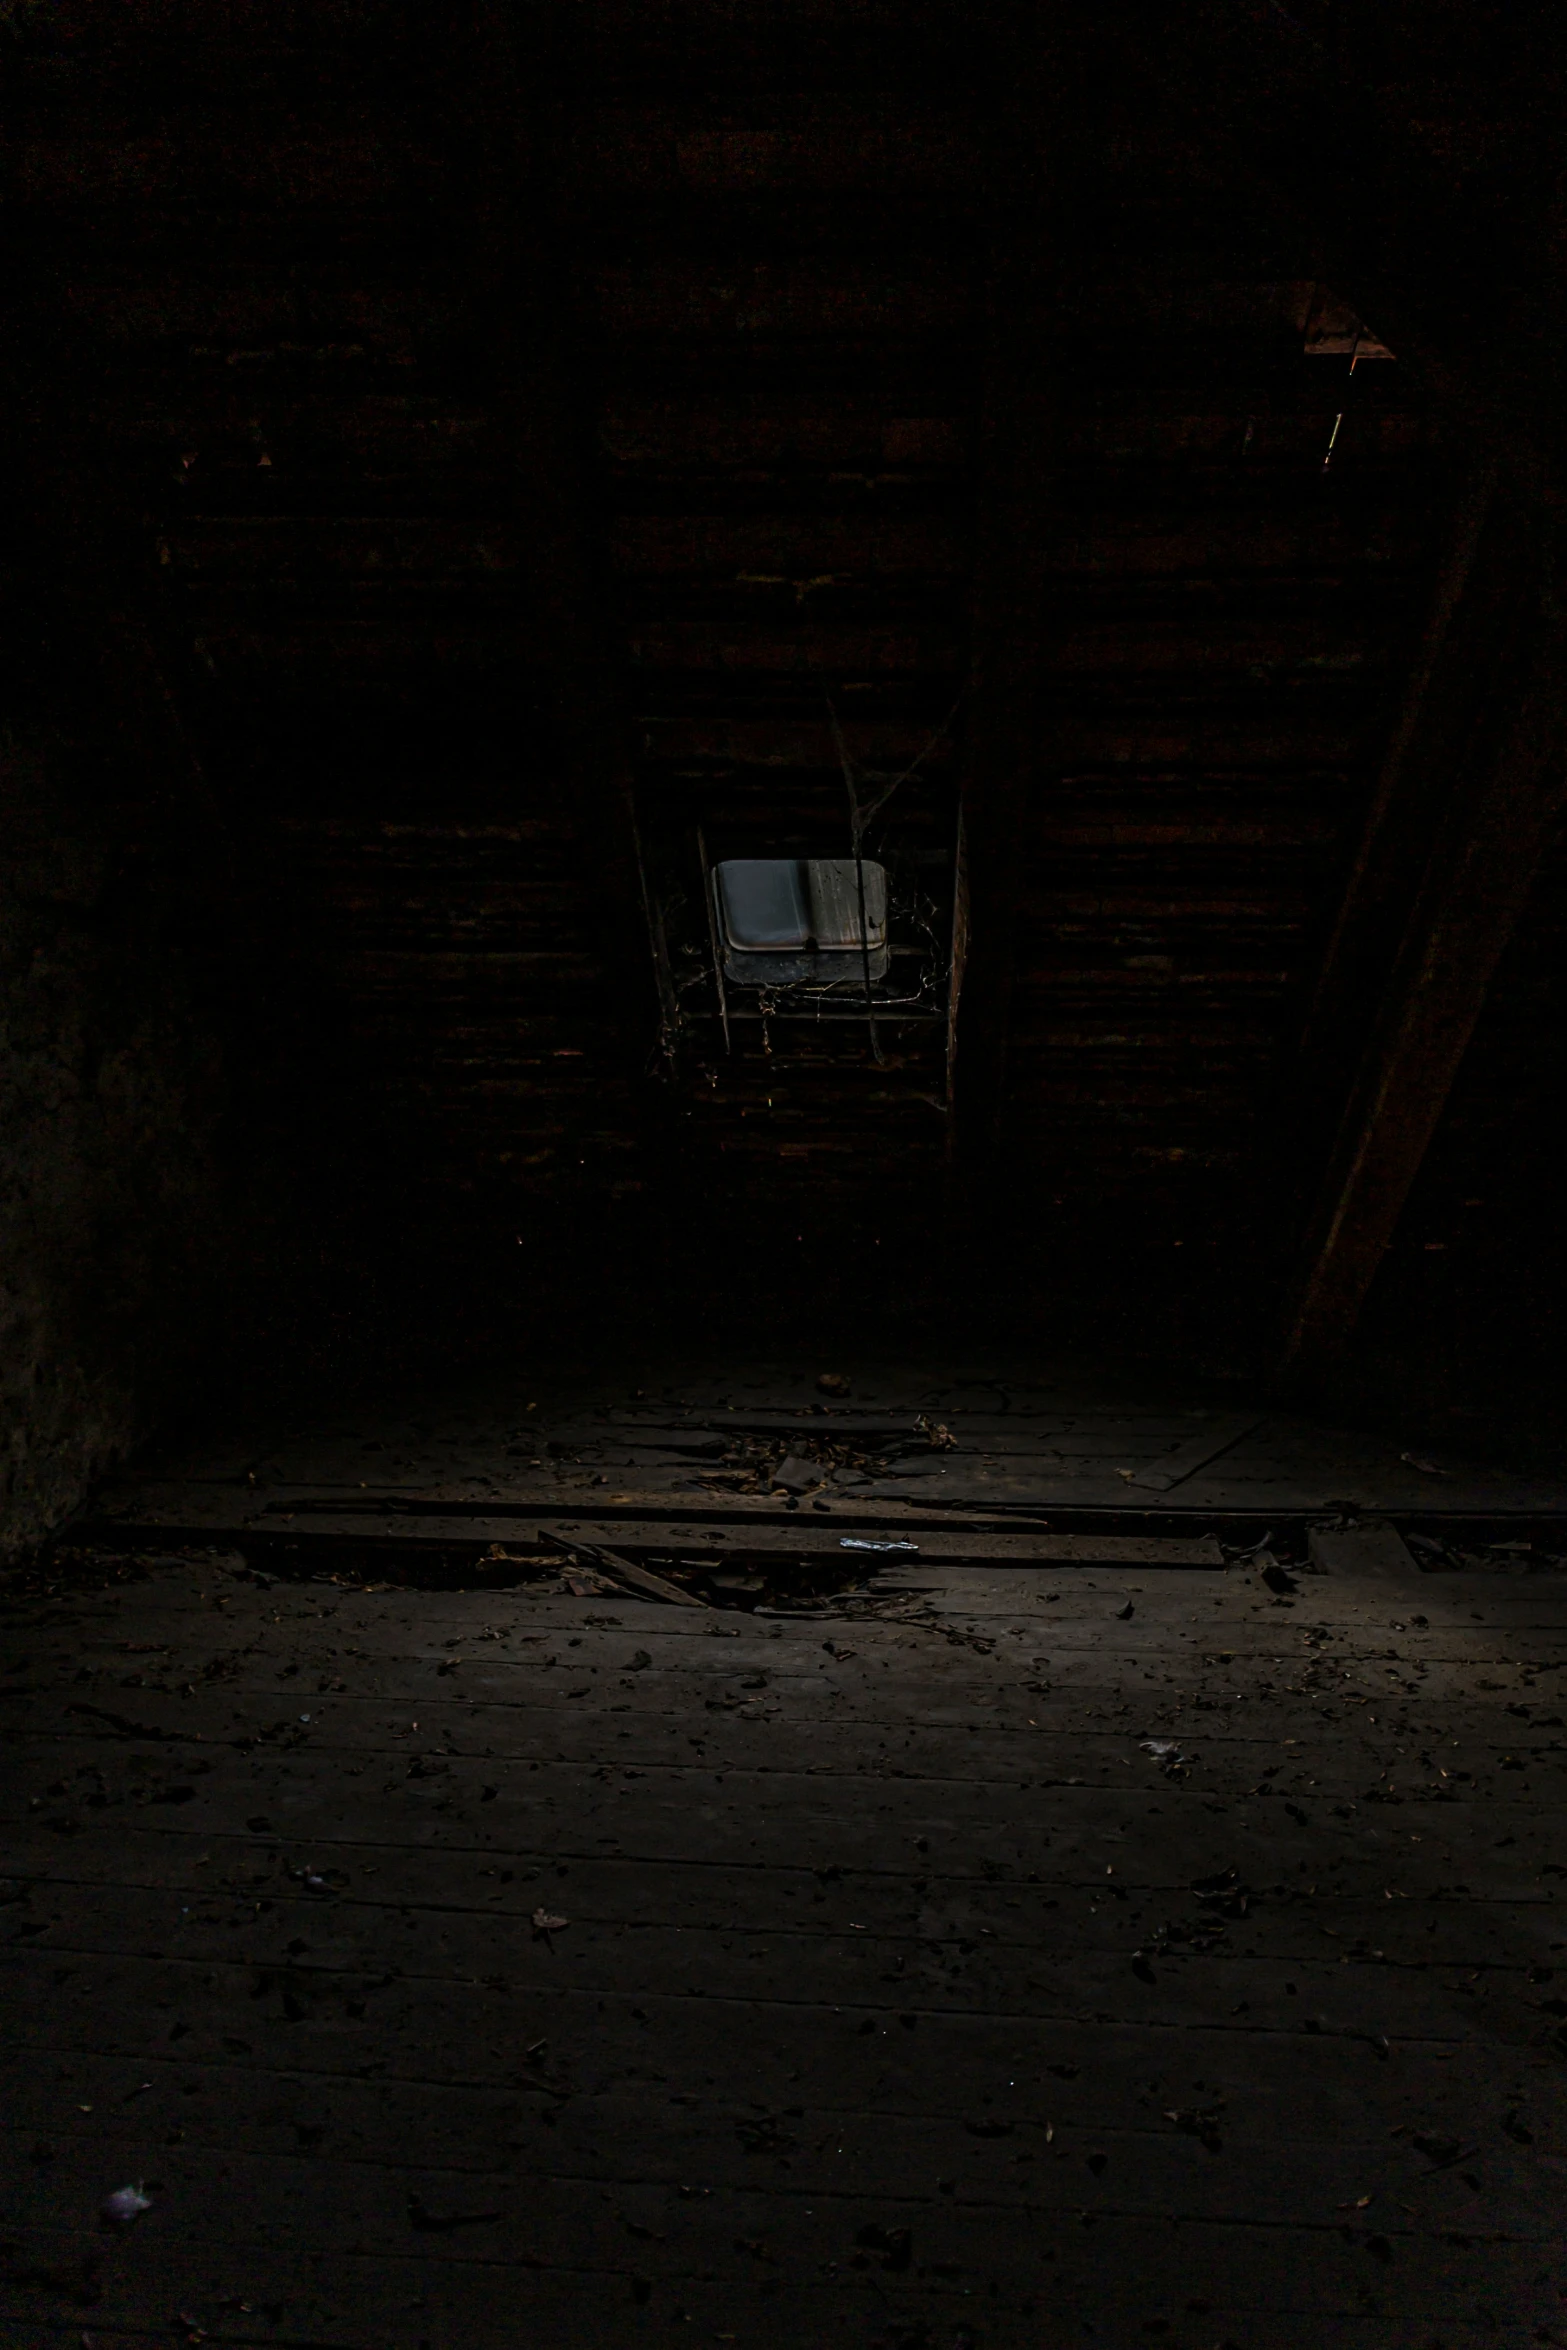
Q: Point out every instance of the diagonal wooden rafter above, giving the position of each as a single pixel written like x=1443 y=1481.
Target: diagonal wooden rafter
x=1475 y=788
x=1472 y=606
x=1436 y=204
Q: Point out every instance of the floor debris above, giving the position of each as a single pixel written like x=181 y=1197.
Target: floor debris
x=124 y=2205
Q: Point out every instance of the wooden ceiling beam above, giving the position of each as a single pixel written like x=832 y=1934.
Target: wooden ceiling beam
x=1473 y=789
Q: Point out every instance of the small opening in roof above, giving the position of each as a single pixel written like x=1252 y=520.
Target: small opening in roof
x=797 y=921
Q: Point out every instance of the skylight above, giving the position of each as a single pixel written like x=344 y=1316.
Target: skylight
x=797 y=921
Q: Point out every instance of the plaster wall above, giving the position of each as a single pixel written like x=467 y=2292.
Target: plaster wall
x=110 y=1107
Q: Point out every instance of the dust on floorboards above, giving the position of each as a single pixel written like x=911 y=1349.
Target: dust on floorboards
x=458 y=1969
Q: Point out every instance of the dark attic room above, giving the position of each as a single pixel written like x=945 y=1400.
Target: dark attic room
x=783 y=1011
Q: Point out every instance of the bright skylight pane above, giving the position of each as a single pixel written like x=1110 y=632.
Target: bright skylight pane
x=765 y=905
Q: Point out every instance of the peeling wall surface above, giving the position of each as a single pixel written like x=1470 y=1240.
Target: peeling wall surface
x=108 y=1184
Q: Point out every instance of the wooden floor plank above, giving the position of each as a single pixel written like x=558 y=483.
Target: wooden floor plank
x=73 y=1774
x=1131 y=2268
x=313 y=1789
x=800 y=2192
x=1391 y=1766
x=1117 y=2081
x=631 y=2146
x=807 y=2318
x=930 y=1961
x=195 y=1902
x=1170 y=1468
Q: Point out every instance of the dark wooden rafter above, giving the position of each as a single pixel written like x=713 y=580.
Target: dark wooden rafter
x=1474 y=788
x=1424 y=732
x=1457 y=648
x=1038 y=80
x=510 y=118
x=1454 y=267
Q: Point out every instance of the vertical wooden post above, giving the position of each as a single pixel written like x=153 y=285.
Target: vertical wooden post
x=523 y=332
x=1007 y=751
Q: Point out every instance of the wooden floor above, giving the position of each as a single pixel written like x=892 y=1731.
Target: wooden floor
x=1018 y=1439
x=1013 y=1951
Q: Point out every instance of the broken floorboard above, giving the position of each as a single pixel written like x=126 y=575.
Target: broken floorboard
x=962 y=1973
x=179 y=1514
x=710 y=1441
